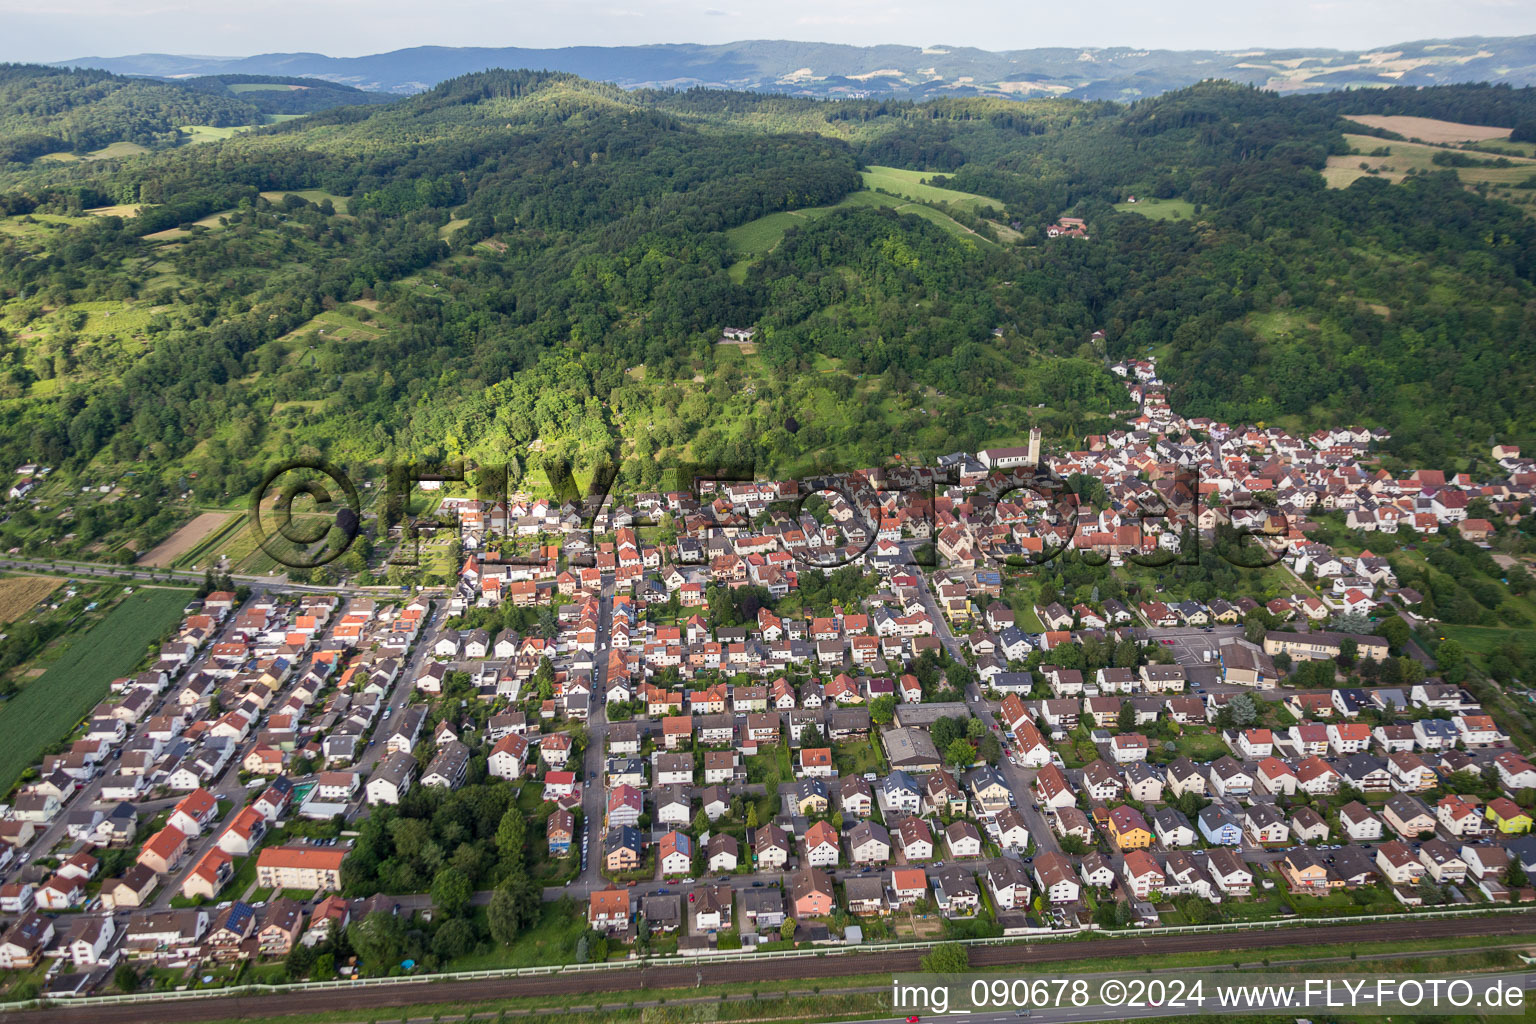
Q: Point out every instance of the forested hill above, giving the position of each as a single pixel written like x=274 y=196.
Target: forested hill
x=837 y=71
x=275 y=94
x=516 y=257
x=47 y=110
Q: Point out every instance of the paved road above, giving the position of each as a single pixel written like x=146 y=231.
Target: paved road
x=276 y=582
x=374 y=1000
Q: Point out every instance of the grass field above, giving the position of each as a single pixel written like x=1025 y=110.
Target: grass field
x=755 y=239
x=1430 y=130
x=911 y=185
x=1160 y=209
x=1483 y=640
x=19 y=594
x=1401 y=157
x=47 y=708
x=197 y=133
x=314 y=195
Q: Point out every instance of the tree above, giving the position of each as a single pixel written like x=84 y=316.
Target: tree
x=1394 y=631
x=1349 y=650
x=1245 y=711
x=1432 y=894
x=945 y=731
x=126 y=978
x=378 y=939
x=1451 y=660
x=512 y=836
x=752 y=815
x=960 y=753
x=451 y=891
x=1126 y=720
x=787 y=930
x=700 y=822
x=454 y=938
x=947 y=958
x=514 y=905
x=882 y=710
x=299 y=961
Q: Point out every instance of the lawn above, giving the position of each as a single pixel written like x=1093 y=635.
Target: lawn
x=1201 y=746
x=857 y=757
x=50 y=706
x=551 y=941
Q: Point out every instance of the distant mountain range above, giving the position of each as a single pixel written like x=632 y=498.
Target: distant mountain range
x=824 y=69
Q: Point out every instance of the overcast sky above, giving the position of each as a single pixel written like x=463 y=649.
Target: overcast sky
x=48 y=30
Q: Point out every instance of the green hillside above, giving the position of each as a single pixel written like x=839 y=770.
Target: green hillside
x=518 y=256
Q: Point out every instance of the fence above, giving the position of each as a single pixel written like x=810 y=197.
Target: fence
x=704 y=958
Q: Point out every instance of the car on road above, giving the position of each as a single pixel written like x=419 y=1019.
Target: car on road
x=913 y=1019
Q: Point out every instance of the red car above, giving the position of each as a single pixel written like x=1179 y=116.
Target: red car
x=912 y=1019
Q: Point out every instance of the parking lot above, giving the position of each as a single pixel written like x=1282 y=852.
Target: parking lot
x=1189 y=646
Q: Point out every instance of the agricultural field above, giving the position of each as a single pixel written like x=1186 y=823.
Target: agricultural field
x=1396 y=159
x=171 y=550
x=20 y=594
x=1160 y=209
x=47 y=708
x=1427 y=129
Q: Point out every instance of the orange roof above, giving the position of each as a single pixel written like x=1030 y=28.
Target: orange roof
x=166 y=842
x=301 y=857
x=198 y=803
x=245 y=821
x=820 y=833
x=209 y=864
x=909 y=879
x=610 y=901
